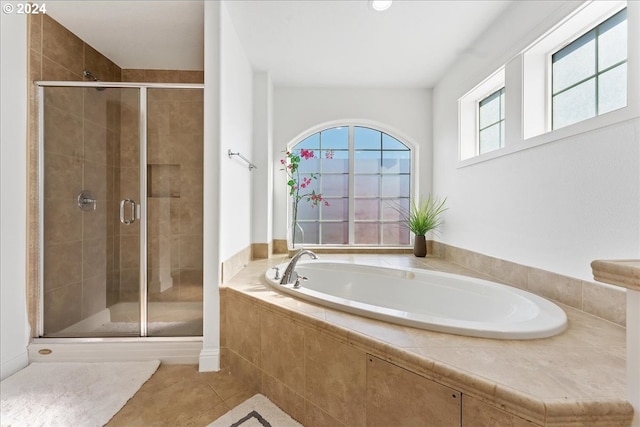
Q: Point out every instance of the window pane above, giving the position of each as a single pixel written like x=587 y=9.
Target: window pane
x=365 y=138
x=392 y=208
x=367 y=209
x=490 y=138
x=337 y=209
x=367 y=185
x=575 y=62
x=335 y=138
x=306 y=211
x=395 y=234
x=335 y=185
x=612 y=42
x=574 y=105
x=367 y=161
x=612 y=89
x=396 y=161
x=311 y=233
x=310 y=165
x=390 y=143
x=334 y=161
x=367 y=233
x=307 y=184
x=309 y=143
x=490 y=110
x=335 y=233
x=395 y=186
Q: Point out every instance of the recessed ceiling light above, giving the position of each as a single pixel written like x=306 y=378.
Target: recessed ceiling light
x=380 y=5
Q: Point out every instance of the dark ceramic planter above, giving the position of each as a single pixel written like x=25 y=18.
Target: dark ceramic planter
x=420 y=246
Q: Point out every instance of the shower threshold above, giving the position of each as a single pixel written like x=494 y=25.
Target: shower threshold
x=174 y=332
x=169 y=350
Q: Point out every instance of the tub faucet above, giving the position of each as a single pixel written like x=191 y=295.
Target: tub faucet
x=290 y=275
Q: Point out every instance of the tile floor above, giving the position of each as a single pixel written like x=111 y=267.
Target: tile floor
x=179 y=395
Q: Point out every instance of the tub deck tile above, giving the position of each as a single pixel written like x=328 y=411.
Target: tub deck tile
x=575 y=377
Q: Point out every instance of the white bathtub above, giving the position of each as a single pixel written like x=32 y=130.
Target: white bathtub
x=426 y=299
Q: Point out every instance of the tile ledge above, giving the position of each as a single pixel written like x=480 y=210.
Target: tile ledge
x=625 y=273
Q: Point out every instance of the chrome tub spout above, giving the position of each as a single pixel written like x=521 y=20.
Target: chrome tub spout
x=290 y=275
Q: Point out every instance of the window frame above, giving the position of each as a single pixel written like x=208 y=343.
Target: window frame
x=469 y=116
x=500 y=94
x=594 y=34
x=413 y=150
x=528 y=91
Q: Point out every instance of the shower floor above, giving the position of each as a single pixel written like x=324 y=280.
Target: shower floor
x=165 y=319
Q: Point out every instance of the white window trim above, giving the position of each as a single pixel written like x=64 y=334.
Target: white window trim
x=537 y=73
x=528 y=89
x=400 y=136
x=469 y=118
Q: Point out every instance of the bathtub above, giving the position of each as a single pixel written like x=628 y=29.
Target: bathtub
x=426 y=299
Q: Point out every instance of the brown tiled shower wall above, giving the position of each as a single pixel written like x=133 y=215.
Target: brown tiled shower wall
x=92 y=144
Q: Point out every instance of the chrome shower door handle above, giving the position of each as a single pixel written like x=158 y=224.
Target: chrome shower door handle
x=132 y=211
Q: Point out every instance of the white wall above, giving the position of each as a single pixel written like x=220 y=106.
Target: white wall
x=556 y=206
x=236 y=112
x=14 y=332
x=209 y=359
x=261 y=224
x=406 y=113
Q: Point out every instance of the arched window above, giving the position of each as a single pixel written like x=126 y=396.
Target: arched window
x=364 y=176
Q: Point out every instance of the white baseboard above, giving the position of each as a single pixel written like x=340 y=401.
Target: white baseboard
x=13 y=365
x=173 y=351
x=209 y=360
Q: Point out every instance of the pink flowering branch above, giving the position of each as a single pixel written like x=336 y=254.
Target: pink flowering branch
x=291 y=163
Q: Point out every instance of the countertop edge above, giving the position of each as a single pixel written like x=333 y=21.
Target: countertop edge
x=623 y=272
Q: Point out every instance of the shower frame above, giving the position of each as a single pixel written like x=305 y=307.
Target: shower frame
x=142 y=210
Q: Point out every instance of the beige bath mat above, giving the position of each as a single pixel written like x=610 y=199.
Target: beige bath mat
x=70 y=394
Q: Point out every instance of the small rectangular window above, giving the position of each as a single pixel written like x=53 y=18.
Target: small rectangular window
x=589 y=75
x=491 y=122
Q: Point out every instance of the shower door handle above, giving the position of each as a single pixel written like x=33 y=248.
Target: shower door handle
x=132 y=211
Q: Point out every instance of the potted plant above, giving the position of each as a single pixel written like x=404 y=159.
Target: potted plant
x=422 y=217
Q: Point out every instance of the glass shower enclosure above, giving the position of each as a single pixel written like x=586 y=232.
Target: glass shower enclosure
x=120 y=209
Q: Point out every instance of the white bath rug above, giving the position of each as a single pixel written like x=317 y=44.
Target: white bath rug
x=70 y=394
x=257 y=411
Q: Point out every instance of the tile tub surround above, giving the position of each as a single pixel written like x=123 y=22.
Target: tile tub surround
x=270 y=340
x=604 y=301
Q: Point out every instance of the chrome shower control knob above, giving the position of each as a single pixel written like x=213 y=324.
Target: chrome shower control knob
x=87 y=201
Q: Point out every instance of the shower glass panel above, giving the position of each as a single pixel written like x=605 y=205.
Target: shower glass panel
x=89 y=164
x=121 y=202
x=174 y=211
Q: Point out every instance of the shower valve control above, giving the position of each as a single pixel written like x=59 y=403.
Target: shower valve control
x=87 y=201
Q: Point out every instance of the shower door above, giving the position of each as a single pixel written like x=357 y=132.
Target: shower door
x=121 y=202
x=90 y=204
